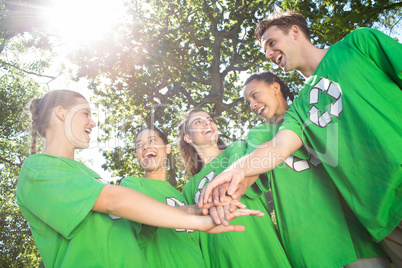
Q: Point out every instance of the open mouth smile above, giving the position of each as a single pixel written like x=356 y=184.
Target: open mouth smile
x=208 y=131
x=150 y=155
x=259 y=111
x=277 y=60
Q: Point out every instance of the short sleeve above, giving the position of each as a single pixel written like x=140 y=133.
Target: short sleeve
x=237 y=150
x=60 y=194
x=385 y=51
x=143 y=232
x=257 y=136
x=293 y=122
x=135 y=184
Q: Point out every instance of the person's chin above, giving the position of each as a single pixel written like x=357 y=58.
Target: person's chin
x=80 y=145
x=150 y=168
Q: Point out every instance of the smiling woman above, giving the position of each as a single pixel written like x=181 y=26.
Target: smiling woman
x=78 y=22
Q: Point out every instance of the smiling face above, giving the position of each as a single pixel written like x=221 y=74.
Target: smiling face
x=79 y=124
x=151 y=150
x=281 y=48
x=201 y=130
x=264 y=99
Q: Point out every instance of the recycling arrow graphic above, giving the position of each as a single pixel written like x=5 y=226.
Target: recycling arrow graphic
x=202 y=183
x=332 y=89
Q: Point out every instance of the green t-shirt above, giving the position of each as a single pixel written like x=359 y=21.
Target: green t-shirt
x=56 y=195
x=309 y=213
x=165 y=247
x=258 y=245
x=349 y=113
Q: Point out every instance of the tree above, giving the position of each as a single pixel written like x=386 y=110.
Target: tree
x=17 y=245
x=170 y=56
x=17 y=248
x=176 y=55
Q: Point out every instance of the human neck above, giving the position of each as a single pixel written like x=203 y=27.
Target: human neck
x=312 y=57
x=57 y=144
x=280 y=114
x=58 y=149
x=208 y=154
x=158 y=174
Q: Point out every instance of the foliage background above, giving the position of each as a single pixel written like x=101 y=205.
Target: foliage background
x=166 y=58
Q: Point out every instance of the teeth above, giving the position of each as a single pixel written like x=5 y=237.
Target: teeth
x=88 y=131
x=150 y=154
x=260 y=110
x=278 y=59
x=208 y=130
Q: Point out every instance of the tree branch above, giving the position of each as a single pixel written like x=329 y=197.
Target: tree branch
x=183 y=91
x=380 y=9
x=231 y=68
x=10 y=162
x=29 y=72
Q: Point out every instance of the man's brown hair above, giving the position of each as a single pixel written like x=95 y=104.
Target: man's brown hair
x=284 y=21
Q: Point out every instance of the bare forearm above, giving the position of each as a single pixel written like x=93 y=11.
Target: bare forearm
x=263 y=159
x=191 y=209
x=268 y=155
x=130 y=204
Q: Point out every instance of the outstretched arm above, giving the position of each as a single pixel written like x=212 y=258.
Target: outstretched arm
x=205 y=209
x=263 y=159
x=130 y=204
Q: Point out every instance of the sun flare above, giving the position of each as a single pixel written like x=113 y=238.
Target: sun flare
x=83 y=21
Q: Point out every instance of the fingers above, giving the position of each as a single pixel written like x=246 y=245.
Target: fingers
x=232 y=203
x=234 y=183
x=222 y=211
x=214 y=215
x=218 y=180
x=232 y=208
x=227 y=212
x=205 y=211
x=229 y=228
x=246 y=212
x=241 y=190
x=219 y=214
x=215 y=195
x=222 y=190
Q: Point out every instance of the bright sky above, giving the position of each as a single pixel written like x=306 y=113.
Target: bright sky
x=78 y=22
x=83 y=21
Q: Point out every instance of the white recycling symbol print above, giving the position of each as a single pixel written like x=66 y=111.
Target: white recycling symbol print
x=171 y=201
x=297 y=165
x=202 y=183
x=333 y=90
x=300 y=165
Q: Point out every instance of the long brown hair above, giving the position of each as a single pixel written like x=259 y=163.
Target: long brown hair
x=192 y=161
x=40 y=110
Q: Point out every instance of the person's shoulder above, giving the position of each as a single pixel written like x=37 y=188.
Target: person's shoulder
x=363 y=33
x=234 y=147
x=236 y=144
x=131 y=181
x=262 y=128
x=40 y=161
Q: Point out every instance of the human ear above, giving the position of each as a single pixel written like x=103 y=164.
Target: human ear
x=276 y=87
x=60 y=113
x=168 y=148
x=187 y=139
x=295 y=31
